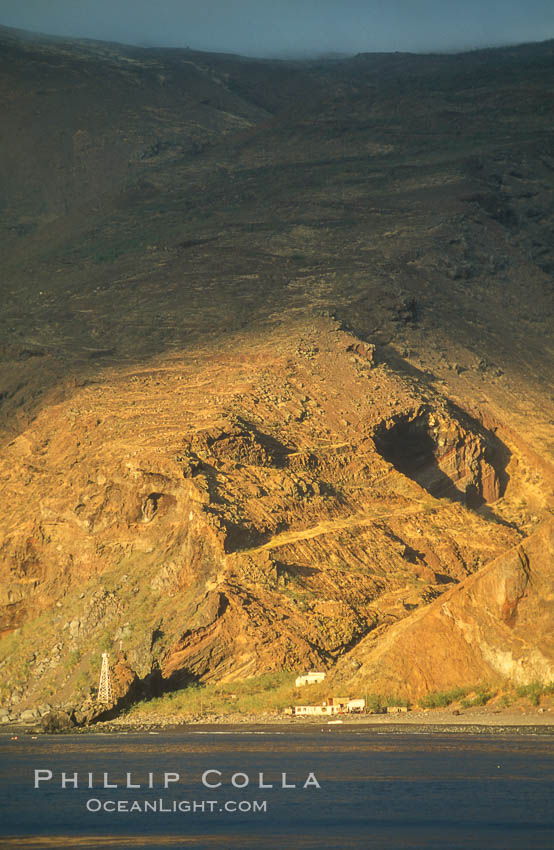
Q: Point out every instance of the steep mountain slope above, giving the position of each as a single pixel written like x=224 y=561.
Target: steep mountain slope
x=274 y=360
x=493 y=627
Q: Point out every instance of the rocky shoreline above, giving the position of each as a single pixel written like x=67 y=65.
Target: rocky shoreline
x=471 y=721
x=429 y=719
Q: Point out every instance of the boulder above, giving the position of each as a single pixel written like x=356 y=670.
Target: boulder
x=57 y=721
x=29 y=715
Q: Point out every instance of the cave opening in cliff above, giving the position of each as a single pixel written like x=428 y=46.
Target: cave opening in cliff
x=411 y=446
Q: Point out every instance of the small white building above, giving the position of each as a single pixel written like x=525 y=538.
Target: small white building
x=356 y=706
x=310 y=710
x=310 y=678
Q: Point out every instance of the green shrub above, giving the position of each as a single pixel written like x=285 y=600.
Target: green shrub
x=535 y=691
x=375 y=704
x=73 y=658
x=268 y=692
x=395 y=700
x=440 y=699
x=106 y=642
x=482 y=696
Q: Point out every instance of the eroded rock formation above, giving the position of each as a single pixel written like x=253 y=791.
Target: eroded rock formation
x=446 y=458
x=493 y=627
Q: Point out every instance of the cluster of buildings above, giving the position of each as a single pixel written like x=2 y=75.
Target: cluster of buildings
x=332 y=705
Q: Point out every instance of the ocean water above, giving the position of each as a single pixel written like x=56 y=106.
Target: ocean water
x=377 y=789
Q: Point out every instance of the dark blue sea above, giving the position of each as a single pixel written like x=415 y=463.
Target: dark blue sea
x=378 y=789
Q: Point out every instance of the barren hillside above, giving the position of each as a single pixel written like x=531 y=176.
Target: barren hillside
x=275 y=355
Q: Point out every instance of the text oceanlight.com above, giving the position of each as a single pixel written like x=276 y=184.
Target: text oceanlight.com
x=176 y=806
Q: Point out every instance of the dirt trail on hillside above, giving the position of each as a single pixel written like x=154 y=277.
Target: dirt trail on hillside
x=329 y=526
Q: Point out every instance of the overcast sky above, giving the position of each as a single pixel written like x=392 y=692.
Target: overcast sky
x=277 y=27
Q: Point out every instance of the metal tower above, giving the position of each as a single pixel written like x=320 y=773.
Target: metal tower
x=105 y=684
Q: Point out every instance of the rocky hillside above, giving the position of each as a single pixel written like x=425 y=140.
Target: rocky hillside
x=495 y=627
x=274 y=364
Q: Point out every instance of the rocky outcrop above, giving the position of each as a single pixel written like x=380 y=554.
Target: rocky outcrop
x=57 y=721
x=449 y=457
